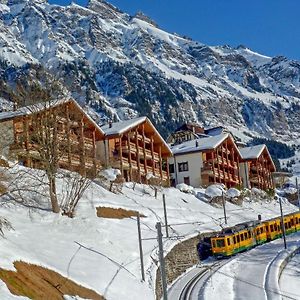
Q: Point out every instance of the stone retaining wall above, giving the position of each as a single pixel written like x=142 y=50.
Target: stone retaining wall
x=181 y=257
x=7 y=137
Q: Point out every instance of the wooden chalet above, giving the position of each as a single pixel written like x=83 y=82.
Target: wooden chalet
x=186 y=132
x=72 y=132
x=206 y=161
x=137 y=149
x=257 y=167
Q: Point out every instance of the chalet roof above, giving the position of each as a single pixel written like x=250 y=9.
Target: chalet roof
x=193 y=127
x=198 y=145
x=118 y=128
x=215 y=130
x=252 y=152
x=30 y=109
x=38 y=107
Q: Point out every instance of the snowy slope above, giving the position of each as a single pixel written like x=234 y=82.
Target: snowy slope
x=44 y=238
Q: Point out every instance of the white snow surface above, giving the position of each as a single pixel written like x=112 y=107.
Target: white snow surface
x=184 y=188
x=232 y=193
x=290 y=279
x=252 y=152
x=44 y=238
x=110 y=174
x=215 y=190
x=122 y=126
x=199 y=144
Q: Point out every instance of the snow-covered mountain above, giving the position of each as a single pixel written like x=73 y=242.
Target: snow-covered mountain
x=122 y=66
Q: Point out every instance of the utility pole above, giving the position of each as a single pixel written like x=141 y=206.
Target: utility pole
x=282 y=223
x=298 y=193
x=165 y=214
x=224 y=208
x=140 y=246
x=162 y=262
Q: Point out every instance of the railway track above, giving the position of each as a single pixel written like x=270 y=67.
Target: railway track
x=194 y=288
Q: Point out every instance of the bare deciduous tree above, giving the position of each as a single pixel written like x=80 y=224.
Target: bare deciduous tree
x=74 y=187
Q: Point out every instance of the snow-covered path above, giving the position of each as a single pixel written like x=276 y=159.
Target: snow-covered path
x=290 y=279
x=245 y=276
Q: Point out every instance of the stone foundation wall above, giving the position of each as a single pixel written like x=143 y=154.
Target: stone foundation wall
x=6 y=137
x=182 y=257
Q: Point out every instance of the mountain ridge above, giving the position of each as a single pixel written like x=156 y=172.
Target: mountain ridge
x=120 y=67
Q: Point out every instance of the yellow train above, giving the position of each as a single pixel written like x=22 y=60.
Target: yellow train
x=244 y=236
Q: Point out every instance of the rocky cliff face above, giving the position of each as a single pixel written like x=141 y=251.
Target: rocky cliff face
x=121 y=67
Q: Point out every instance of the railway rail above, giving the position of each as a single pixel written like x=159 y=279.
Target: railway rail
x=195 y=286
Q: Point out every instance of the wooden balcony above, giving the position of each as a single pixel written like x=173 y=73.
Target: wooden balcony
x=140 y=152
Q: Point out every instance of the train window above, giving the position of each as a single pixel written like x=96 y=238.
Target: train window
x=214 y=244
x=289 y=224
x=296 y=220
x=228 y=241
x=267 y=227
x=245 y=235
x=271 y=226
x=257 y=231
x=261 y=229
x=220 y=243
x=292 y=222
x=234 y=240
x=275 y=227
x=242 y=237
x=238 y=238
x=285 y=225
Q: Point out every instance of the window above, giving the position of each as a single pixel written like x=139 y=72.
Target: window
x=275 y=227
x=214 y=244
x=228 y=241
x=182 y=167
x=242 y=237
x=234 y=240
x=220 y=243
x=271 y=226
x=238 y=238
x=171 y=168
x=186 y=180
x=245 y=235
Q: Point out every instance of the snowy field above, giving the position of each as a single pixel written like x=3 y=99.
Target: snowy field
x=290 y=279
x=108 y=258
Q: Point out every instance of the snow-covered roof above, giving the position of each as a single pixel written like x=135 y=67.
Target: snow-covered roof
x=207 y=143
x=31 y=109
x=118 y=128
x=252 y=152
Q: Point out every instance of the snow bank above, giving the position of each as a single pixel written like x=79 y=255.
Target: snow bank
x=274 y=271
x=233 y=193
x=215 y=190
x=110 y=174
x=185 y=188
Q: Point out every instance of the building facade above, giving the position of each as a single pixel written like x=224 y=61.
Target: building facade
x=64 y=131
x=257 y=167
x=137 y=149
x=205 y=161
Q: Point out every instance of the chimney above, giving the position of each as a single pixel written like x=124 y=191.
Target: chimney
x=15 y=107
x=110 y=123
